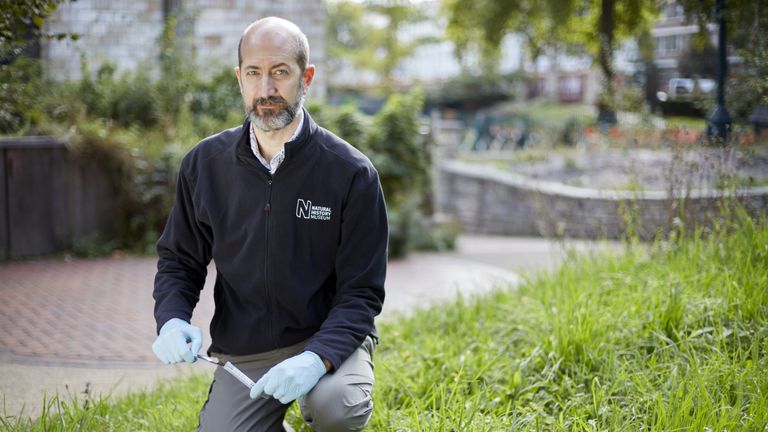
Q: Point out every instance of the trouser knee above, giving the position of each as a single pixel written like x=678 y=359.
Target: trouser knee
x=326 y=410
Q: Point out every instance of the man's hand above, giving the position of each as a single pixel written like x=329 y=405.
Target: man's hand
x=171 y=345
x=291 y=378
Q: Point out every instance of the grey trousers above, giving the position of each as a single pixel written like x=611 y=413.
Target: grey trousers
x=340 y=402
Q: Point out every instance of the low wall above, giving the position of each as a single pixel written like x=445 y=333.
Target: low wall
x=487 y=201
x=49 y=198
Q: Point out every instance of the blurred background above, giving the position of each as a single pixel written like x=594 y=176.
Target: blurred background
x=566 y=118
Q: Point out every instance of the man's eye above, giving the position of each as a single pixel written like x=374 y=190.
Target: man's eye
x=251 y=73
x=281 y=72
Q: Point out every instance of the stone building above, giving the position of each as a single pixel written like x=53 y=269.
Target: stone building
x=127 y=34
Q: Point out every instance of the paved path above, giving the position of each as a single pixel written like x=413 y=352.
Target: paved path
x=70 y=323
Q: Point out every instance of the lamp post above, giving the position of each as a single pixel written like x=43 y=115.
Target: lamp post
x=719 y=121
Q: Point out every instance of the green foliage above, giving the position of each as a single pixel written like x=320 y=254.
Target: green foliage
x=480 y=26
x=171 y=407
x=399 y=150
x=698 y=59
x=475 y=91
x=175 y=66
x=747 y=86
x=595 y=25
x=22 y=20
x=131 y=101
x=353 y=126
x=20 y=87
x=355 y=36
x=396 y=146
x=217 y=97
x=747 y=33
x=142 y=170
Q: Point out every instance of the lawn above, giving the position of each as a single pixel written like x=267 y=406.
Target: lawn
x=667 y=336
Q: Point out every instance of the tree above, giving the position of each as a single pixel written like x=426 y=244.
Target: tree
x=482 y=25
x=697 y=59
x=747 y=32
x=354 y=37
x=597 y=25
x=23 y=20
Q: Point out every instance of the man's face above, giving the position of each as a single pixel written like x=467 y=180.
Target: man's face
x=271 y=83
x=275 y=112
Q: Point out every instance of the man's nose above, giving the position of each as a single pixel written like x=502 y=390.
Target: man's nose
x=268 y=87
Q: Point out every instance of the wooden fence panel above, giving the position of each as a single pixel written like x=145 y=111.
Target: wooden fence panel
x=49 y=198
x=32 y=208
x=4 y=246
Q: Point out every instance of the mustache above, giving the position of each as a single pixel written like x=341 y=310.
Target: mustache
x=270 y=100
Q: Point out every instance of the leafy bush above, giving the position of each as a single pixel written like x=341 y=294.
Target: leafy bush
x=217 y=97
x=20 y=87
x=394 y=142
x=131 y=101
x=398 y=149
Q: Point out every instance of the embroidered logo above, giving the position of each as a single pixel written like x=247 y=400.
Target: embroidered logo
x=305 y=210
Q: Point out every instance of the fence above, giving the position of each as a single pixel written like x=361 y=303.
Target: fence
x=49 y=198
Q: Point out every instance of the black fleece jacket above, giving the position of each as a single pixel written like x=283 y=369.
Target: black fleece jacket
x=299 y=254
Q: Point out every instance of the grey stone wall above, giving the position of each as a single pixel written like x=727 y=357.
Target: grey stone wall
x=220 y=23
x=122 y=32
x=492 y=202
x=126 y=33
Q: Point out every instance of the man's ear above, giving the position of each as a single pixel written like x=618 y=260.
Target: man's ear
x=309 y=75
x=237 y=74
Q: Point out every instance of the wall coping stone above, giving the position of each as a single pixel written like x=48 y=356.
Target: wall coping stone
x=20 y=142
x=575 y=192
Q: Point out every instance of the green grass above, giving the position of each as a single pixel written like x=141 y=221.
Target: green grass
x=663 y=337
x=692 y=123
x=557 y=114
x=172 y=406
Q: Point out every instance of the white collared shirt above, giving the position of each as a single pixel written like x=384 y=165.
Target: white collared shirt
x=280 y=156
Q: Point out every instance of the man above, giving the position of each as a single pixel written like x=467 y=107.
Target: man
x=295 y=221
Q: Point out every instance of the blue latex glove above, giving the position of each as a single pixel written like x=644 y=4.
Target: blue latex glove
x=291 y=378
x=171 y=345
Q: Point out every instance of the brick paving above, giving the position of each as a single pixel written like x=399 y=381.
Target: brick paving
x=99 y=312
x=81 y=311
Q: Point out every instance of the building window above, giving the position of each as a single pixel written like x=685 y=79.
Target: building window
x=668 y=45
x=672 y=11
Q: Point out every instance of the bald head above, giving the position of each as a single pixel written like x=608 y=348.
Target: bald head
x=276 y=28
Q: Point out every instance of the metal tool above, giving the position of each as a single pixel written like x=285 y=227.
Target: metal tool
x=232 y=369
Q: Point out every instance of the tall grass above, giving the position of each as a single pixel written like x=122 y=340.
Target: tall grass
x=671 y=336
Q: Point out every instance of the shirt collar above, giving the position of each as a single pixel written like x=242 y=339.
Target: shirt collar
x=280 y=155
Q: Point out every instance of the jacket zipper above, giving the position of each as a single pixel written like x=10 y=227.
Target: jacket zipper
x=267 y=285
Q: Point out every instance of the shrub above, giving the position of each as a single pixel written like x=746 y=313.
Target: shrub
x=20 y=87
x=393 y=140
x=131 y=101
x=216 y=97
x=398 y=149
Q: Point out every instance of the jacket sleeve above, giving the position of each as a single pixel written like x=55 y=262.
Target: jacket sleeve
x=361 y=263
x=184 y=251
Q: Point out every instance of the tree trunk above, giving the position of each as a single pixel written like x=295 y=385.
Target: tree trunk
x=606 y=27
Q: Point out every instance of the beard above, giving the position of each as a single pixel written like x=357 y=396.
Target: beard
x=278 y=117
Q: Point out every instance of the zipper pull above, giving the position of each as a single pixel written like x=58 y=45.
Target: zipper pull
x=268 y=208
